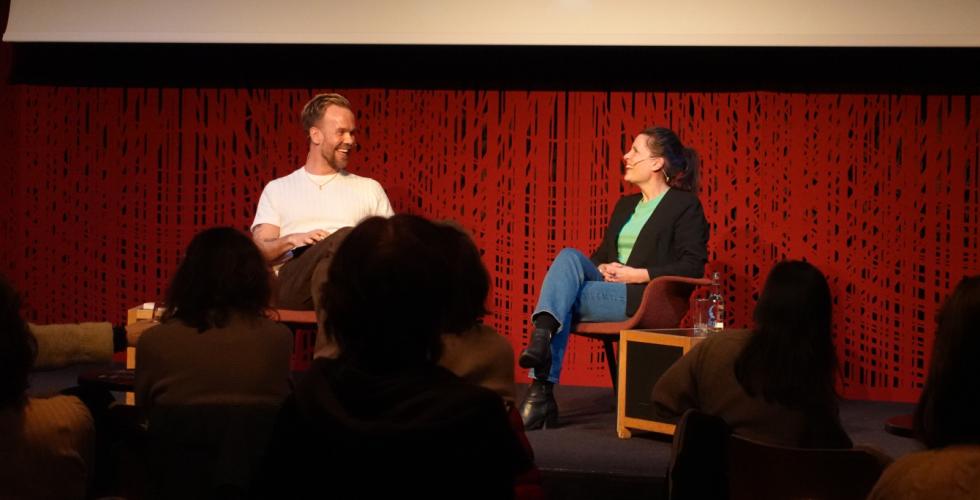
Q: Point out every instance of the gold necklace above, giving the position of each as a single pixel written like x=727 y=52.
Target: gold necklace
x=319 y=186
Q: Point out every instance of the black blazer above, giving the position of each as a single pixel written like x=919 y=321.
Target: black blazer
x=673 y=242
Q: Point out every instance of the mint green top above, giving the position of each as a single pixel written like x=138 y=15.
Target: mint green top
x=627 y=235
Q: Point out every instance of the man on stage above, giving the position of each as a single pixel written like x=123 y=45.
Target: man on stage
x=303 y=216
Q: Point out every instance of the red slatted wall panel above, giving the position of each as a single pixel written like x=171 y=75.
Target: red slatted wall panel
x=103 y=188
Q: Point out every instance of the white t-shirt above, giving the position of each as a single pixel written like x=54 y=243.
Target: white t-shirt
x=297 y=203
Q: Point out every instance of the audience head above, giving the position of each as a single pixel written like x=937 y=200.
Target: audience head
x=470 y=281
x=949 y=409
x=681 y=164
x=790 y=358
x=17 y=349
x=392 y=290
x=222 y=273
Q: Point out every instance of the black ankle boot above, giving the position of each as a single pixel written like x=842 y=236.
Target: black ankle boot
x=537 y=354
x=539 y=409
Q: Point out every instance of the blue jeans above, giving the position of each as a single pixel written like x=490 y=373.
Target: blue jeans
x=573 y=291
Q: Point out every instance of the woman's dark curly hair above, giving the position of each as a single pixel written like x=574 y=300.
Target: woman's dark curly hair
x=682 y=164
x=222 y=272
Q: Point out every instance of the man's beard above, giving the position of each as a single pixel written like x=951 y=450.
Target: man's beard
x=335 y=162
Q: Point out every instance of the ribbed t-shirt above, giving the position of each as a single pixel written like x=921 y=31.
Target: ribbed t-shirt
x=298 y=203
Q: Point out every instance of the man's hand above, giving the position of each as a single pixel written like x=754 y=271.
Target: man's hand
x=308 y=238
x=614 y=272
x=605 y=268
x=274 y=247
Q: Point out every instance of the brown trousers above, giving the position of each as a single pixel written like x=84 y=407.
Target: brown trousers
x=297 y=286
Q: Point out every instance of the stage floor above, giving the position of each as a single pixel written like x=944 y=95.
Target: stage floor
x=584 y=456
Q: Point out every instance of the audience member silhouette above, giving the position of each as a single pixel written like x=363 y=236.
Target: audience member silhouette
x=212 y=375
x=775 y=382
x=948 y=413
x=215 y=344
x=46 y=444
x=382 y=416
x=472 y=350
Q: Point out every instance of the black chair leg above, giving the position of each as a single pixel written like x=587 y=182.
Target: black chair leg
x=611 y=362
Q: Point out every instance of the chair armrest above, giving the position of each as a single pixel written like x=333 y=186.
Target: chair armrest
x=683 y=279
x=292 y=316
x=666 y=300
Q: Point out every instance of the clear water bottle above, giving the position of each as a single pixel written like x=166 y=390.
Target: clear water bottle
x=716 y=304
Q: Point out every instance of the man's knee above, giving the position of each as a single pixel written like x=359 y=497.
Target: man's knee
x=319 y=276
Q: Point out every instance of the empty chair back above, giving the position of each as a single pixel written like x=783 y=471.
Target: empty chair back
x=760 y=471
x=698 y=460
x=206 y=451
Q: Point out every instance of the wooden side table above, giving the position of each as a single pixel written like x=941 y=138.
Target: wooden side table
x=644 y=356
x=141 y=312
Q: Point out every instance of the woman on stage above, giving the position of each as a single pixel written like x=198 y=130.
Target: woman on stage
x=659 y=231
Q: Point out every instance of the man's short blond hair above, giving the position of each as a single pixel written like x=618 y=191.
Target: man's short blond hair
x=314 y=109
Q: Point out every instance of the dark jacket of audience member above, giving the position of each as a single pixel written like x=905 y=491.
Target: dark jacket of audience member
x=211 y=376
x=774 y=383
x=383 y=417
x=215 y=345
x=948 y=413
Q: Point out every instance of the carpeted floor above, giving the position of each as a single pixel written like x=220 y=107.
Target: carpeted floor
x=584 y=458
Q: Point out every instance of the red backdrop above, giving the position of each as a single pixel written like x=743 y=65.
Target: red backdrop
x=103 y=187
